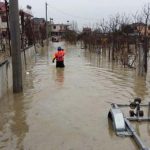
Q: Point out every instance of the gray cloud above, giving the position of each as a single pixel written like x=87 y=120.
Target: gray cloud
x=85 y=12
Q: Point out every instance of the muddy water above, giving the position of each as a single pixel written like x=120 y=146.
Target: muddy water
x=66 y=109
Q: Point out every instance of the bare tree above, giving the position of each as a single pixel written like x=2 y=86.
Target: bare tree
x=114 y=23
x=146 y=17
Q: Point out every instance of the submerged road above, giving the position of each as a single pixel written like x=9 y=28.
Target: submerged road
x=66 y=109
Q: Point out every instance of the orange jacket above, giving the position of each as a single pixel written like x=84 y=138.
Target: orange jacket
x=60 y=55
x=63 y=52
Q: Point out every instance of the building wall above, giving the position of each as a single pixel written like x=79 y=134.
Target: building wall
x=141 y=29
x=3 y=25
x=5 y=78
x=58 y=27
x=6 y=71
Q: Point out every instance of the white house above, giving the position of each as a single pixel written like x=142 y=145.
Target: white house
x=57 y=31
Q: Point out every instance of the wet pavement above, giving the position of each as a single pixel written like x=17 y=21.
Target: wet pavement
x=66 y=109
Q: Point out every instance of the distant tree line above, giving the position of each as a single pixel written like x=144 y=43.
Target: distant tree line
x=125 y=38
x=71 y=33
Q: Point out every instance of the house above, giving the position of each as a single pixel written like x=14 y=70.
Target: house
x=3 y=17
x=140 y=28
x=25 y=16
x=39 y=28
x=87 y=30
x=37 y=22
x=57 y=31
x=136 y=29
x=3 y=20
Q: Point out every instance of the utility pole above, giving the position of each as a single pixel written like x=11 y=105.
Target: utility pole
x=50 y=32
x=16 y=46
x=46 y=24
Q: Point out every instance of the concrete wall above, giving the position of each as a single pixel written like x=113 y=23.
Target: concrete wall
x=5 y=78
x=29 y=54
x=6 y=71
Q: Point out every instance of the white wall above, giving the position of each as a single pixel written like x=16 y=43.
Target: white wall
x=3 y=24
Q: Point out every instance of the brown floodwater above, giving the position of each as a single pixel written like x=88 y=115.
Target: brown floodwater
x=66 y=109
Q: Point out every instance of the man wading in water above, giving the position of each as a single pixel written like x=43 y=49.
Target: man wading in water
x=59 y=56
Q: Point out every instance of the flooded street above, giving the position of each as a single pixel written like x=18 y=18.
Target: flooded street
x=66 y=109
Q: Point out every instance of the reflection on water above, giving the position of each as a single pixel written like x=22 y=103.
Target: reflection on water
x=19 y=127
x=60 y=75
x=66 y=108
x=13 y=127
x=110 y=128
x=140 y=87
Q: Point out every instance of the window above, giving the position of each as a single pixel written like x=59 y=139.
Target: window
x=4 y=18
x=54 y=27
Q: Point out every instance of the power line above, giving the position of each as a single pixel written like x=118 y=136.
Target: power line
x=68 y=14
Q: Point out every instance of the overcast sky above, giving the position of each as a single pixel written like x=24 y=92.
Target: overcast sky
x=85 y=12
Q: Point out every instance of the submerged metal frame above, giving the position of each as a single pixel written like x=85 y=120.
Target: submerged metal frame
x=122 y=125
